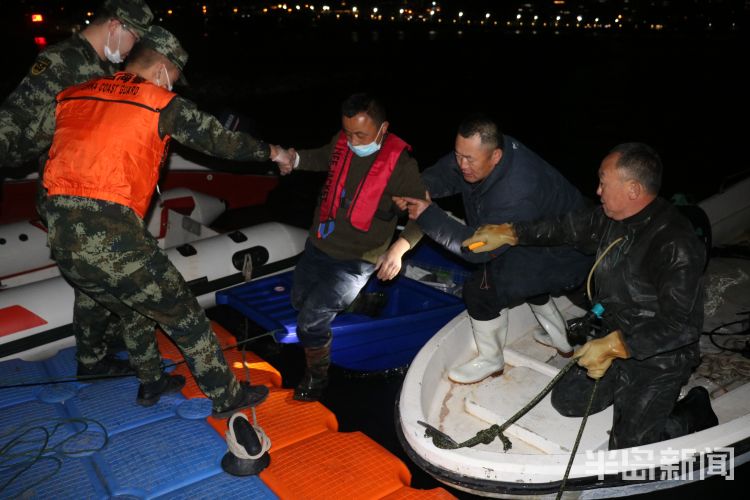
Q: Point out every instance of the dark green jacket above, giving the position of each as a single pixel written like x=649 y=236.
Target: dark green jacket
x=346 y=242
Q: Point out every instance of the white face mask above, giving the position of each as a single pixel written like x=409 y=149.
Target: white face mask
x=158 y=80
x=115 y=56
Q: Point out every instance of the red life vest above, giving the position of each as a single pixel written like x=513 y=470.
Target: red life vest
x=106 y=144
x=366 y=198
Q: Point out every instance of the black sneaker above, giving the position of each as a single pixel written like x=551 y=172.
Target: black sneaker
x=250 y=396
x=149 y=394
x=107 y=367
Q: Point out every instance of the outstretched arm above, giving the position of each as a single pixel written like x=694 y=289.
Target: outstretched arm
x=188 y=125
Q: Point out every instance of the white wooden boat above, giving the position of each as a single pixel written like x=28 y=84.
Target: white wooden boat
x=542 y=439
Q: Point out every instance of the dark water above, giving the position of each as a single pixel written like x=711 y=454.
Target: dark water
x=570 y=98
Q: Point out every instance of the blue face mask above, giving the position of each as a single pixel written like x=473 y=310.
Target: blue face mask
x=366 y=149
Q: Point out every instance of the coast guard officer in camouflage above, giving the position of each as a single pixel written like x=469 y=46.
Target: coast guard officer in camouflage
x=27 y=115
x=110 y=139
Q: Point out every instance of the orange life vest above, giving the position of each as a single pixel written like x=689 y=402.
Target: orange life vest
x=366 y=198
x=106 y=144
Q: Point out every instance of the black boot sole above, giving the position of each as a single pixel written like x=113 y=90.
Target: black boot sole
x=261 y=394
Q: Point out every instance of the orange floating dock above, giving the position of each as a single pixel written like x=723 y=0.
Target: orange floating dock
x=310 y=459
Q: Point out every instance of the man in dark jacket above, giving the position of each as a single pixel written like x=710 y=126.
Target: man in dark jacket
x=649 y=282
x=500 y=179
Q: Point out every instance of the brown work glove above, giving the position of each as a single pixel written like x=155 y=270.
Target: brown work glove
x=597 y=355
x=491 y=236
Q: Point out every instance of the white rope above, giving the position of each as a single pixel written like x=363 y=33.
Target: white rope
x=237 y=449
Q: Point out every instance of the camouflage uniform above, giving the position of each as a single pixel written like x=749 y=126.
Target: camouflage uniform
x=119 y=272
x=105 y=250
x=203 y=132
x=27 y=117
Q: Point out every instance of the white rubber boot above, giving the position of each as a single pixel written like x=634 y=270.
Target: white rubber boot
x=554 y=334
x=490 y=339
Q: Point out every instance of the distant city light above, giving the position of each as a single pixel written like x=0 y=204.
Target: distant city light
x=37 y=18
x=520 y=19
x=40 y=42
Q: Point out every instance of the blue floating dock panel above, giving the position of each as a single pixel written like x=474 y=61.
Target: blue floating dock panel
x=160 y=457
x=97 y=401
x=92 y=441
x=18 y=418
x=18 y=372
x=225 y=487
x=75 y=478
x=413 y=312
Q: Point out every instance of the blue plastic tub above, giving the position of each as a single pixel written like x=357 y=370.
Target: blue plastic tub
x=413 y=313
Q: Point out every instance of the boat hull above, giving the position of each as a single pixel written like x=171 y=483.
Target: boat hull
x=537 y=462
x=41 y=312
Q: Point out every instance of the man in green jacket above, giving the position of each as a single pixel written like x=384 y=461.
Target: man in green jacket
x=353 y=226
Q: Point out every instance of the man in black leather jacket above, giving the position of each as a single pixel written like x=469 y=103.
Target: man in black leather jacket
x=649 y=280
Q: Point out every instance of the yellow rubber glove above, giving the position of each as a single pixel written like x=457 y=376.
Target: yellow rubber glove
x=491 y=236
x=597 y=355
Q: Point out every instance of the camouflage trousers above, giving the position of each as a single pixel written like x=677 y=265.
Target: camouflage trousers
x=124 y=280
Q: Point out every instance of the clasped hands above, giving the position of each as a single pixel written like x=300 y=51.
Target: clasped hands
x=285 y=159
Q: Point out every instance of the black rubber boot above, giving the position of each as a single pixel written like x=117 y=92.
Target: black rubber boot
x=692 y=413
x=149 y=394
x=250 y=396
x=109 y=366
x=315 y=379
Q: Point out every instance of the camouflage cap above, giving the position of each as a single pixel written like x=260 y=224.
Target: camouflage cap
x=166 y=44
x=134 y=14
